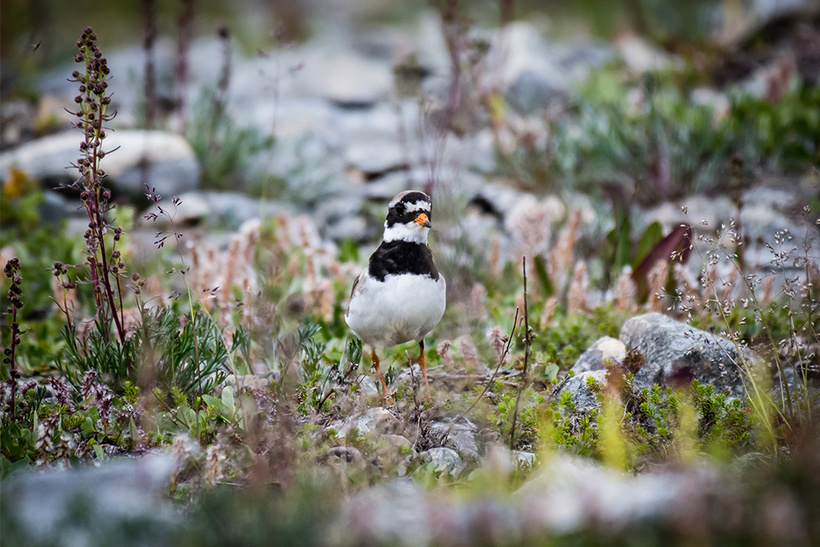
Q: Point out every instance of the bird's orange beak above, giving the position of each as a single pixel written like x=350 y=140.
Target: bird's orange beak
x=423 y=220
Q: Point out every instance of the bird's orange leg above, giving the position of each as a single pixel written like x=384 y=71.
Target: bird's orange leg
x=423 y=363
x=387 y=395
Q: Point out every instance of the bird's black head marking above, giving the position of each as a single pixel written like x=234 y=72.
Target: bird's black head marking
x=407 y=206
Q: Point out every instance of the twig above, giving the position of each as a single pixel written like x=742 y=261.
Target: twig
x=527 y=340
x=469 y=377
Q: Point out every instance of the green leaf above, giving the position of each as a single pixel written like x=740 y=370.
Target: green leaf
x=186 y=416
x=214 y=402
x=88 y=426
x=543 y=277
x=133 y=431
x=651 y=236
x=227 y=397
x=551 y=373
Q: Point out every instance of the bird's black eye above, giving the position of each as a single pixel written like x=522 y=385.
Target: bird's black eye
x=399 y=208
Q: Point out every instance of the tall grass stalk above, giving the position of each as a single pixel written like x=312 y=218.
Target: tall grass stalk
x=522 y=384
x=193 y=303
x=762 y=400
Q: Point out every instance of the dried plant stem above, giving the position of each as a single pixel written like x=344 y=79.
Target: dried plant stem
x=185 y=28
x=527 y=338
x=149 y=37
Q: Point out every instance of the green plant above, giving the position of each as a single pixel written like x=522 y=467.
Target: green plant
x=569 y=429
x=15 y=304
x=223 y=148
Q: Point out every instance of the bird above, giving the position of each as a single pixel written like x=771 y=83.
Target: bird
x=400 y=296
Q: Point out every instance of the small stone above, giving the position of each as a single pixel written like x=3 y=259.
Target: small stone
x=445 y=460
x=368 y=385
x=524 y=460
x=376 y=420
x=247 y=381
x=346 y=454
x=605 y=351
x=459 y=436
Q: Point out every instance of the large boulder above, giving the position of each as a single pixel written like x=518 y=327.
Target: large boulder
x=675 y=353
x=165 y=161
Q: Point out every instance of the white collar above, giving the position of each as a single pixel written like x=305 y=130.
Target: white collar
x=410 y=232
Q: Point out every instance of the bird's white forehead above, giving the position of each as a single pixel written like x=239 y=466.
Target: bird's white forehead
x=417 y=206
x=420 y=205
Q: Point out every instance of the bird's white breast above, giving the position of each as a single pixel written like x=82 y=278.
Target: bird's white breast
x=399 y=309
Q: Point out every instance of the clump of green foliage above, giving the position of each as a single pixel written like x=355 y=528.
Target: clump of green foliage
x=665 y=146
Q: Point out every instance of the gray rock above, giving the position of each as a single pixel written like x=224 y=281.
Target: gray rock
x=460 y=436
x=92 y=505
x=705 y=214
x=288 y=118
x=382 y=119
x=391 y=513
x=55 y=207
x=16 y=123
x=126 y=87
x=172 y=167
x=248 y=382
x=346 y=454
x=376 y=154
x=582 y=396
x=606 y=350
x=762 y=220
x=308 y=165
x=368 y=385
x=229 y=209
x=572 y=494
x=375 y=420
x=394 y=452
x=532 y=90
x=445 y=460
x=497 y=198
x=524 y=460
x=388 y=185
x=535 y=71
x=640 y=56
x=354 y=228
x=569 y=495
x=501 y=461
x=343 y=77
x=674 y=354
x=431 y=48
x=339 y=217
